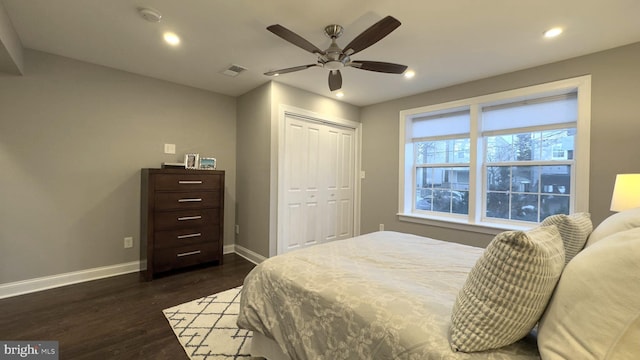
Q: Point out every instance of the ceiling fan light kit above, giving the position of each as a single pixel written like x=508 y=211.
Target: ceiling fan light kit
x=335 y=58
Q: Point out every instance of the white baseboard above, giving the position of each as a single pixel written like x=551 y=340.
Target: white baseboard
x=54 y=281
x=249 y=255
x=228 y=249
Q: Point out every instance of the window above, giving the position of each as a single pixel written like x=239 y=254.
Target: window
x=502 y=160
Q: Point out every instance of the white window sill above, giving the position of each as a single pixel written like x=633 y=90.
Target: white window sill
x=463 y=224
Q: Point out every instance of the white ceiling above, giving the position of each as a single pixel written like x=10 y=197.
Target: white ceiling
x=445 y=42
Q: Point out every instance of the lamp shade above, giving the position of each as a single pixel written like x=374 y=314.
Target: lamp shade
x=626 y=192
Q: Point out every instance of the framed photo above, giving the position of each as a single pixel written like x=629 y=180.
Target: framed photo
x=207 y=163
x=191 y=161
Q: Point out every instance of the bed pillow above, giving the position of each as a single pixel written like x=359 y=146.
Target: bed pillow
x=595 y=310
x=617 y=222
x=507 y=290
x=574 y=230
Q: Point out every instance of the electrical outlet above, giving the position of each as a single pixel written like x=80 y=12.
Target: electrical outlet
x=381 y=227
x=237 y=229
x=169 y=148
x=128 y=242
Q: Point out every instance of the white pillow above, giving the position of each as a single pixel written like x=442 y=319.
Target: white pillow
x=621 y=221
x=574 y=230
x=507 y=290
x=595 y=310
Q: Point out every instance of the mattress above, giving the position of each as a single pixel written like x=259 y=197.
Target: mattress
x=384 y=295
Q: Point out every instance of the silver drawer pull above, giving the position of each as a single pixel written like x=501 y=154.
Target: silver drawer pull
x=189 y=218
x=189 y=200
x=186 y=236
x=190 y=253
x=189 y=181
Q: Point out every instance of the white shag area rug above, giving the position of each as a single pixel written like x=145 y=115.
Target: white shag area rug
x=206 y=327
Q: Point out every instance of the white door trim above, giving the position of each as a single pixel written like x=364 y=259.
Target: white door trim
x=277 y=167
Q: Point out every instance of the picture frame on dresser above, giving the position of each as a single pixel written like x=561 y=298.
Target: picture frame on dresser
x=191 y=161
x=207 y=163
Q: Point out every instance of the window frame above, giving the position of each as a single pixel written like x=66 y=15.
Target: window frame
x=476 y=221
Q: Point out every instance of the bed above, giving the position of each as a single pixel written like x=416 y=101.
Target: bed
x=383 y=295
x=389 y=295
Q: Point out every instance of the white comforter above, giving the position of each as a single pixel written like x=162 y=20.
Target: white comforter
x=383 y=295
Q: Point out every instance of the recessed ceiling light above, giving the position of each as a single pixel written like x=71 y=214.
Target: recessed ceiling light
x=171 y=38
x=409 y=74
x=553 y=32
x=339 y=94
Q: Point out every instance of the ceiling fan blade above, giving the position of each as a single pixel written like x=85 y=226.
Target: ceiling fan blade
x=335 y=80
x=378 y=66
x=294 y=38
x=372 y=35
x=288 y=70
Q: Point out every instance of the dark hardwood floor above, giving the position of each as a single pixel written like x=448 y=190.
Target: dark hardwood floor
x=118 y=317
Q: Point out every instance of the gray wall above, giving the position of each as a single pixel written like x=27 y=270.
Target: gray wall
x=615 y=125
x=73 y=137
x=253 y=144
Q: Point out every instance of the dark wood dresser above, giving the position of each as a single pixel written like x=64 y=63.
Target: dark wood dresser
x=182 y=213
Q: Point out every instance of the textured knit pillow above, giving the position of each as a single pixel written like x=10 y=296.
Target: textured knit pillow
x=595 y=310
x=507 y=290
x=574 y=231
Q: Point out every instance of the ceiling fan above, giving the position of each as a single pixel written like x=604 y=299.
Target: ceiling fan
x=334 y=58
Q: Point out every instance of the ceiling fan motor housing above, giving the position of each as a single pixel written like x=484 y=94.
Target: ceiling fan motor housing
x=333 y=31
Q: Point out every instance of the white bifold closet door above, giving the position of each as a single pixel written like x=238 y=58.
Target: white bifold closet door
x=319 y=169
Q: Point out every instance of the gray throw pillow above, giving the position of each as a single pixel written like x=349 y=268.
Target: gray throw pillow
x=574 y=231
x=507 y=290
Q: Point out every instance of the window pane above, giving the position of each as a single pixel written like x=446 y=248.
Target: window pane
x=525 y=179
x=557 y=144
x=553 y=204
x=424 y=192
x=461 y=151
x=523 y=146
x=497 y=205
x=500 y=148
x=436 y=152
x=524 y=207
x=443 y=189
x=498 y=178
x=460 y=202
x=556 y=179
x=443 y=151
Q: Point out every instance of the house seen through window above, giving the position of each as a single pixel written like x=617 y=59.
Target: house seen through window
x=508 y=158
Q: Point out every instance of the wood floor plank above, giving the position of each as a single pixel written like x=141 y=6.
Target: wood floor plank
x=118 y=317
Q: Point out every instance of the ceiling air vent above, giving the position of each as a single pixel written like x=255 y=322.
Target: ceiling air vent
x=151 y=15
x=234 y=70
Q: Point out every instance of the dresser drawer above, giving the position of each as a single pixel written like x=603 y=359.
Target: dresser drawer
x=184 y=219
x=174 y=258
x=186 y=200
x=187 y=182
x=187 y=236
